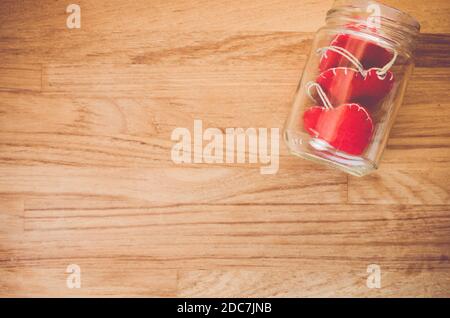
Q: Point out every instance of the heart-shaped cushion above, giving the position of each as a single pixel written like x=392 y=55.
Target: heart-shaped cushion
x=370 y=54
x=347 y=128
x=347 y=85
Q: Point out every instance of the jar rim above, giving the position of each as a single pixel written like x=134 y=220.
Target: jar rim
x=387 y=11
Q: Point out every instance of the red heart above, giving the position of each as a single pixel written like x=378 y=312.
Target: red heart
x=347 y=85
x=347 y=128
x=368 y=53
x=310 y=119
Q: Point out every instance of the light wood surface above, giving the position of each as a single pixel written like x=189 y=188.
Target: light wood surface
x=86 y=176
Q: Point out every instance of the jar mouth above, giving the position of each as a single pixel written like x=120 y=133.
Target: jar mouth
x=394 y=25
x=387 y=12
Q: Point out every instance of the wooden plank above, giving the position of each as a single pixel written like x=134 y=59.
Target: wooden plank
x=21 y=77
x=183 y=48
x=98 y=277
x=218 y=236
x=428 y=86
x=331 y=282
x=11 y=231
x=167 y=81
x=178 y=184
x=120 y=132
x=168 y=15
x=432 y=50
x=398 y=184
x=190 y=15
x=156 y=47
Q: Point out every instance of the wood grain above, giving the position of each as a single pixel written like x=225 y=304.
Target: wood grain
x=86 y=176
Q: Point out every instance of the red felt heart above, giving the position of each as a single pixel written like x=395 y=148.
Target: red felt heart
x=344 y=85
x=347 y=128
x=310 y=119
x=370 y=54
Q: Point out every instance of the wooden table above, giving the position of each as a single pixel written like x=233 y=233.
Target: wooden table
x=87 y=178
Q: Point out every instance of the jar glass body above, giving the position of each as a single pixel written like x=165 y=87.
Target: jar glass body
x=352 y=86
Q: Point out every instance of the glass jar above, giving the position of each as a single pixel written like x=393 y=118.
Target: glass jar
x=352 y=86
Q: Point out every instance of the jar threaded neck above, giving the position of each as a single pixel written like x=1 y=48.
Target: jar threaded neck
x=393 y=27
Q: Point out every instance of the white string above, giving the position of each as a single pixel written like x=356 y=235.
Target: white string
x=349 y=56
x=326 y=102
x=382 y=71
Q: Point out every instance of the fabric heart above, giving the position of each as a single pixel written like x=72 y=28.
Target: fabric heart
x=347 y=128
x=370 y=54
x=310 y=119
x=345 y=85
